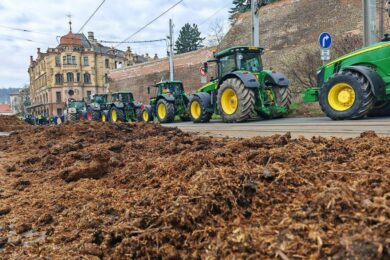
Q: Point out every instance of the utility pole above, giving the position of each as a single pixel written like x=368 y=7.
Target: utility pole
x=381 y=18
x=171 y=54
x=255 y=23
x=369 y=16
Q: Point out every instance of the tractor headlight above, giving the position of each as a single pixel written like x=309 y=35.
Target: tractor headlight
x=72 y=110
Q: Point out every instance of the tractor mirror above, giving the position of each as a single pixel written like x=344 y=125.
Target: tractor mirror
x=206 y=67
x=148 y=90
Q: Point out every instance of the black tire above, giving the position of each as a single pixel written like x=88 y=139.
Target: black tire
x=363 y=101
x=105 y=116
x=204 y=116
x=283 y=99
x=120 y=115
x=138 y=114
x=96 y=115
x=245 y=99
x=170 y=112
x=380 y=109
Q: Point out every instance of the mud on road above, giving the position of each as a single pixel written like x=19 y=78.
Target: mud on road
x=146 y=191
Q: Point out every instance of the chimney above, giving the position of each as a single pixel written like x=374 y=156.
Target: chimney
x=39 y=50
x=31 y=58
x=91 y=37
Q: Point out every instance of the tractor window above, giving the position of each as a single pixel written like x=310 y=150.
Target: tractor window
x=249 y=61
x=125 y=98
x=227 y=64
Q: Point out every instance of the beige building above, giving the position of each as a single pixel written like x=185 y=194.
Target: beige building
x=77 y=68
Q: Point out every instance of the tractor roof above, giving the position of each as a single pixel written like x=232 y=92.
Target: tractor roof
x=237 y=49
x=169 y=82
x=123 y=92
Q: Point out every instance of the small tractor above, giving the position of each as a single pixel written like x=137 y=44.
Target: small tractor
x=241 y=89
x=170 y=101
x=76 y=110
x=355 y=85
x=97 y=105
x=121 y=108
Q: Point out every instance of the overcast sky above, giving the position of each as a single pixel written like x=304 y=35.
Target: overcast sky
x=115 y=21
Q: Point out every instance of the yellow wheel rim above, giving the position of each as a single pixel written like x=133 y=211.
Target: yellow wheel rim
x=229 y=101
x=104 y=118
x=341 y=97
x=195 y=109
x=145 y=116
x=114 y=116
x=162 y=111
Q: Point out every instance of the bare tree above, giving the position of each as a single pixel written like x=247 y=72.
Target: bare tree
x=216 y=32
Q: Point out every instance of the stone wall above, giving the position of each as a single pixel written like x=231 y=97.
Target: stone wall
x=137 y=78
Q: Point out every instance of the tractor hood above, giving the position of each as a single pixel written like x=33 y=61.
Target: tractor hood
x=370 y=48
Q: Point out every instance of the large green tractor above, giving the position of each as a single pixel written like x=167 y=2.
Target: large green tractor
x=97 y=105
x=121 y=108
x=76 y=110
x=170 y=101
x=355 y=85
x=242 y=89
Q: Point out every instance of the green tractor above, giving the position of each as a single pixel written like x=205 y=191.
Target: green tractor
x=241 y=89
x=170 y=101
x=121 y=108
x=76 y=110
x=97 y=105
x=355 y=85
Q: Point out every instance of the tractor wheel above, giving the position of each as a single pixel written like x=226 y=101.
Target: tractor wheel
x=165 y=111
x=116 y=115
x=380 y=109
x=235 y=102
x=105 y=116
x=283 y=99
x=145 y=115
x=72 y=117
x=198 y=111
x=89 y=115
x=346 y=96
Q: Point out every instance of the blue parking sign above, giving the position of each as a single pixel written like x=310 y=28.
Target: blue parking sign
x=325 y=40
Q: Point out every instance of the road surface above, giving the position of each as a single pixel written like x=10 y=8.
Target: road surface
x=307 y=127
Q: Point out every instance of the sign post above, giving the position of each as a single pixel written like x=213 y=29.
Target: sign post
x=325 y=40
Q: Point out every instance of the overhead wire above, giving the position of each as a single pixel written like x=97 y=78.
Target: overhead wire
x=92 y=15
x=149 y=23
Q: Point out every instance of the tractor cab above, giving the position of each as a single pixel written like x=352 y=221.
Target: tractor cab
x=77 y=104
x=170 y=88
x=123 y=97
x=100 y=98
x=239 y=58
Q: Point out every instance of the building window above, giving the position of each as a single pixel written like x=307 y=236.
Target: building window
x=58 y=61
x=74 y=60
x=59 y=112
x=78 y=77
x=69 y=77
x=107 y=63
x=87 y=78
x=58 y=97
x=68 y=59
x=89 y=94
x=59 y=79
x=86 y=61
x=105 y=78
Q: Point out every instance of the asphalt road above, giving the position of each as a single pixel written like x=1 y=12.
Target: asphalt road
x=307 y=127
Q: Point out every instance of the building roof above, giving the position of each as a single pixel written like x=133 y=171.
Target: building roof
x=70 y=39
x=5 y=108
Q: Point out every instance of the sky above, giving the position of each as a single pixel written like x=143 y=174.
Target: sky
x=115 y=21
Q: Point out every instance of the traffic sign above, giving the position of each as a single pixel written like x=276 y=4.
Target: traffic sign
x=325 y=54
x=325 y=40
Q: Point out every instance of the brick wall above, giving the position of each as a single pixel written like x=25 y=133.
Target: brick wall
x=139 y=77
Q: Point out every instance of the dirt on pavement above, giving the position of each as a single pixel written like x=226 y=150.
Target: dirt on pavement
x=12 y=123
x=146 y=191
